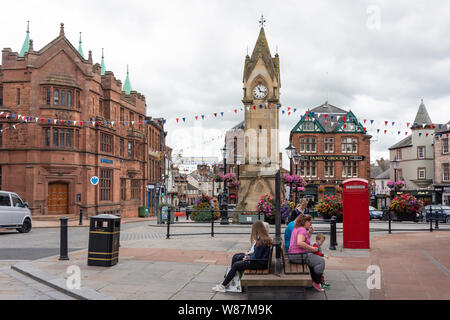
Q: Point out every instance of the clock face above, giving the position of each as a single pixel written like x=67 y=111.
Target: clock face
x=260 y=91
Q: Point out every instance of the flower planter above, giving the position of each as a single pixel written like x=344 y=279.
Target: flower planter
x=249 y=218
x=404 y=216
x=270 y=219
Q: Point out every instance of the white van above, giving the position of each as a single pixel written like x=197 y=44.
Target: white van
x=14 y=213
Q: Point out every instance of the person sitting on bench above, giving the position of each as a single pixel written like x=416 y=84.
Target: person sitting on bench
x=301 y=251
x=259 y=259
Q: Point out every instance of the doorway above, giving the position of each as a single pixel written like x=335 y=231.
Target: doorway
x=58 y=198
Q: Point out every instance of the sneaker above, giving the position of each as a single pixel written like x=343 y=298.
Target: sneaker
x=219 y=288
x=317 y=286
x=325 y=285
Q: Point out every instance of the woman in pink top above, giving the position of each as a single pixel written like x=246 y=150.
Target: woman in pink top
x=301 y=251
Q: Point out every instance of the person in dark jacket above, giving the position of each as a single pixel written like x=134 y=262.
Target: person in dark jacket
x=258 y=259
x=301 y=208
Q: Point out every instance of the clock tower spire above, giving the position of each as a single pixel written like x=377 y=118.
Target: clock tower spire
x=261 y=98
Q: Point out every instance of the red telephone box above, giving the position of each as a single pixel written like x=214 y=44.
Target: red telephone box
x=355 y=196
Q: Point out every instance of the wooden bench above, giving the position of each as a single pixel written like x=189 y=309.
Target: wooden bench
x=265 y=285
x=292 y=268
x=262 y=271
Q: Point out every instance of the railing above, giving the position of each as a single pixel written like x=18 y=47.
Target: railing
x=212 y=231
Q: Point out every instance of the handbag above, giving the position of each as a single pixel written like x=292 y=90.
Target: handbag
x=235 y=283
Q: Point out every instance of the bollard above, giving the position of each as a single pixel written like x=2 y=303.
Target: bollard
x=168 y=223
x=431 y=220
x=437 y=220
x=63 y=243
x=212 y=223
x=81 y=218
x=333 y=241
x=390 y=220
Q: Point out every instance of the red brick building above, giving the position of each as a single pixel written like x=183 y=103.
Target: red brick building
x=76 y=122
x=332 y=146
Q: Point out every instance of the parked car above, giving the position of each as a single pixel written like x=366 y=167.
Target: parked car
x=374 y=213
x=14 y=213
x=443 y=212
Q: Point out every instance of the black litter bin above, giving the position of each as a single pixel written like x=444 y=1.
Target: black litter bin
x=104 y=234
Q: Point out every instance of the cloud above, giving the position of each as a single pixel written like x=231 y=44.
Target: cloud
x=187 y=57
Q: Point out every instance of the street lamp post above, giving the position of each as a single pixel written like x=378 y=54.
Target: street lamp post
x=290 y=152
x=296 y=161
x=224 y=204
x=395 y=164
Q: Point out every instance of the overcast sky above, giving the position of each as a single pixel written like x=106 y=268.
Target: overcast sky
x=187 y=58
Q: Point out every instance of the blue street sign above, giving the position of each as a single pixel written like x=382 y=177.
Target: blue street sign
x=94 y=180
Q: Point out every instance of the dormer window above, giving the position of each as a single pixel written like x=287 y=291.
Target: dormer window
x=350 y=126
x=308 y=126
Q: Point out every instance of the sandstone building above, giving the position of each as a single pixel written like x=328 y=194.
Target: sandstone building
x=74 y=120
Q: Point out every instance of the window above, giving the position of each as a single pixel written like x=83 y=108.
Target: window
x=63 y=97
x=105 y=184
x=444 y=145
x=350 y=126
x=69 y=139
x=130 y=149
x=61 y=138
x=55 y=97
x=121 y=147
x=445 y=172
x=329 y=168
x=4 y=200
x=55 y=138
x=18 y=96
x=308 y=145
x=47 y=137
x=121 y=114
x=400 y=174
x=48 y=96
x=399 y=154
x=421 y=173
x=1 y=96
x=349 y=145
x=106 y=143
x=17 y=203
x=0 y=177
x=123 y=190
x=420 y=152
x=308 y=126
x=78 y=99
x=131 y=116
x=69 y=98
x=349 y=169
x=135 y=189
x=308 y=169
x=1 y=135
x=329 y=145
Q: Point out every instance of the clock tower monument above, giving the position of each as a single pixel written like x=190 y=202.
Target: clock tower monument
x=261 y=126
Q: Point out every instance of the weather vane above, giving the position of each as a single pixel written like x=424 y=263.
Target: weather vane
x=262 y=21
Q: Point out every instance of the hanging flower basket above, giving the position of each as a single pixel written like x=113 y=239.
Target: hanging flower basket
x=266 y=207
x=406 y=207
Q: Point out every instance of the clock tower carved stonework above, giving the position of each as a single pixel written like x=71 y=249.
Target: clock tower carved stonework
x=261 y=86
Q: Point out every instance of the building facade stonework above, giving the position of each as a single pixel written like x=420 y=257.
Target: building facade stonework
x=331 y=146
x=75 y=123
